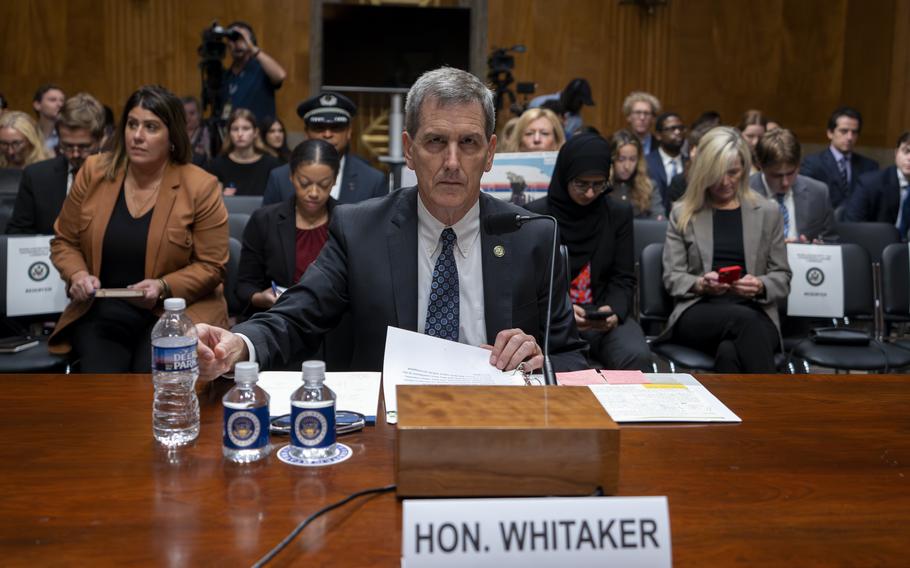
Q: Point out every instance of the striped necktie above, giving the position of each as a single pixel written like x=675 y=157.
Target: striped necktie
x=784 y=212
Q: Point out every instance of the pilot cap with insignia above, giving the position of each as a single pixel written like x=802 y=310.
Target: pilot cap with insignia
x=327 y=109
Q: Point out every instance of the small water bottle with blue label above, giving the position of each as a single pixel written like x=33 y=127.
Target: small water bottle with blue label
x=175 y=409
x=246 y=417
x=313 y=415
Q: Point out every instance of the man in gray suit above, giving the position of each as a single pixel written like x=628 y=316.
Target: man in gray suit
x=420 y=258
x=804 y=202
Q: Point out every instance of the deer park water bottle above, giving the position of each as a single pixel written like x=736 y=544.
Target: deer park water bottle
x=246 y=417
x=313 y=415
x=175 y=409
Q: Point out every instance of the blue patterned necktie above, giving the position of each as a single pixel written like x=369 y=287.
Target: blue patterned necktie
x=442 y=309
x=784 y=212
x=842 y=167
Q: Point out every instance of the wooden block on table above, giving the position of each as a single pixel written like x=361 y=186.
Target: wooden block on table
x=504 y=441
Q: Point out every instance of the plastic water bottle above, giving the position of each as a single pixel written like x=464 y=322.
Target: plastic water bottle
x=246 y=417
x=313 y=415
x=175 y=410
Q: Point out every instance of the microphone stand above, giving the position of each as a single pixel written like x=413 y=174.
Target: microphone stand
x=549 y=376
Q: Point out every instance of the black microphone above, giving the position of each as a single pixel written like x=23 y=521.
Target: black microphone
x=510 y=222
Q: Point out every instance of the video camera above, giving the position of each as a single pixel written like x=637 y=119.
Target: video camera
x=501 y=64
x=212 y=50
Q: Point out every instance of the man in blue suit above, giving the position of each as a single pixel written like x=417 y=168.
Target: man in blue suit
x=879 y=196
x=421 y=259
x=838 y=166
x=667 y=162
x=328 y=117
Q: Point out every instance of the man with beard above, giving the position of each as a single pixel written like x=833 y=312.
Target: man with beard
x=254 y=75
x=667 y=161
x=44 y=185
x=328 y=117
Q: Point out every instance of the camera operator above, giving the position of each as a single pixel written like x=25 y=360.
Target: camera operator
x=254 y=75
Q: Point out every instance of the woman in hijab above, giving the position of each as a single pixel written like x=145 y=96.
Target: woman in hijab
x=598 y=234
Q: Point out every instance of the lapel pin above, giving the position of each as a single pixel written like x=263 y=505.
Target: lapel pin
x=499 y=251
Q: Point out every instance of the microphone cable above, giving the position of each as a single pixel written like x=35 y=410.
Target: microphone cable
x=287 y=540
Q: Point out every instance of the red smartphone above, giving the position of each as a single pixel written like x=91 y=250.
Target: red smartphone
x=729 y=274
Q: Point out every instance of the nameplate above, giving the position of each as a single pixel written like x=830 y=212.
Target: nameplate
x=817 y=285
x=33 y=285
x=569 y=531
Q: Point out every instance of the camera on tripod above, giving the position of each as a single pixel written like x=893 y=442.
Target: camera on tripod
x=501 y=63
x=212 y=50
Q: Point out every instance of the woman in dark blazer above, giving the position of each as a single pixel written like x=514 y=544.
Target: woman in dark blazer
x=598 y=234
x=139 y=217
x=281 y=240
x=721 y=223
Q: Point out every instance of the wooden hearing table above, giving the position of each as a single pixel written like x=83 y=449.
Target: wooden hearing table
x=818 y=474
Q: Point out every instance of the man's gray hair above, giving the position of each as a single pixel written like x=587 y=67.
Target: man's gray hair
x=448 y=86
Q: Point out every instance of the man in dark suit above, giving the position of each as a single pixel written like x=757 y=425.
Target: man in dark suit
x=879 y=195
x=419 y=258
x=667 y=162
x=328 y=117
x=838 y=166
x=804 y=204
x=44 y=185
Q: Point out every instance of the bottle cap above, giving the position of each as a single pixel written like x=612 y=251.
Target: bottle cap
x=246 y=372
x=313 y=371
x=174 y=304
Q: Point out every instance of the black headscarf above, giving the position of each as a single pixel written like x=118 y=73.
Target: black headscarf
x=579 y=225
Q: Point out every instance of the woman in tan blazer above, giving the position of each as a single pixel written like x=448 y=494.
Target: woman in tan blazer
x=720 y=223
x=139 y=217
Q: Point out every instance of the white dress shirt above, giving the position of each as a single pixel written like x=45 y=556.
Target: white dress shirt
x=336 y=189
x=792 y=233
x=669 y=161
x=903 y=183
x=472 y=326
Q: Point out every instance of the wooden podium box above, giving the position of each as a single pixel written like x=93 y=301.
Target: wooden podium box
x=473 y=441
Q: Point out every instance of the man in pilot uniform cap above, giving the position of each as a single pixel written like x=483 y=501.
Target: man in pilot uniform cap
x=328 y=116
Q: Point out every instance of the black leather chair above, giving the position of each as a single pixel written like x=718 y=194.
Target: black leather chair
x=859 y=303
x=242 y=203
x=895 y=292
x=236 y=224
x=235 y=305
x=36 y=359
x=646 y=232
x=873 y=237
x=656 y=306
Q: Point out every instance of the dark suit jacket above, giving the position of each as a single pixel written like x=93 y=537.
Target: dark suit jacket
x=821 y=166
x=41 y=194
x=369 y=266
x=269 y=249
x=359 y=182
x=187 y=242
x=612 y=264
x=814 y=214
x=877 y=198
x=658 y=175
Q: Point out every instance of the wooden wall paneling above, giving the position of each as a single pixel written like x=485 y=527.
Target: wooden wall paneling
x=899 y=94
x=868 y=43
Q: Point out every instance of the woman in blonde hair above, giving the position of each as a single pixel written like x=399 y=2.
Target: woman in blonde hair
x=21 y=144
x=720 y=224
x=630 y=181
x=538 y=130
x=245 y=162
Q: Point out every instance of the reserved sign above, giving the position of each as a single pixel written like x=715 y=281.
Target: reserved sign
x=33 y=285
x=817 y=285
x=576 y=531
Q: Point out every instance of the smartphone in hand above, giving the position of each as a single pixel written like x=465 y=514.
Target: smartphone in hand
x=729 y=274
